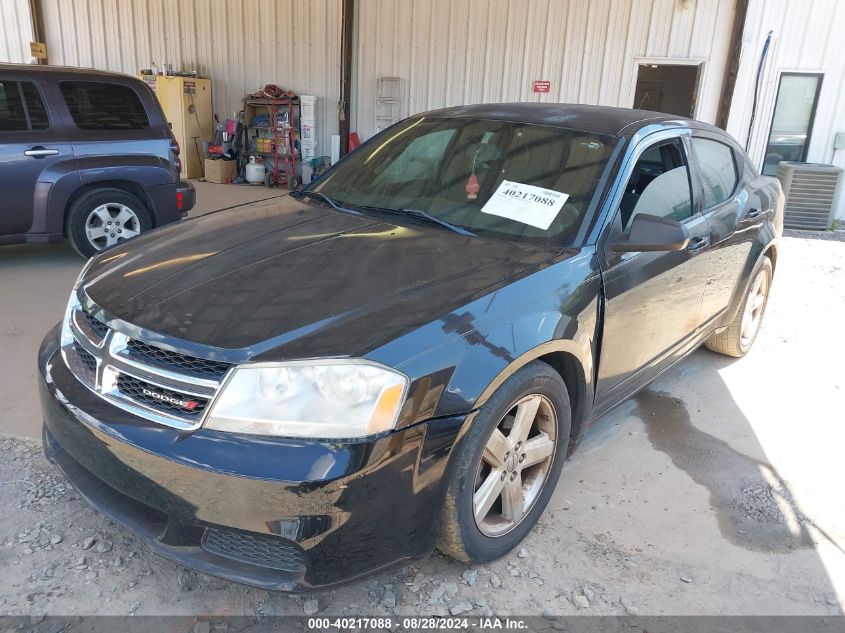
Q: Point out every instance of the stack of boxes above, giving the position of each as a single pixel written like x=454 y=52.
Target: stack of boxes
x=308 y=133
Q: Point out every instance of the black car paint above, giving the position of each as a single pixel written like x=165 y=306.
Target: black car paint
x=343 y=512
x=456 y=314
x=139 y=161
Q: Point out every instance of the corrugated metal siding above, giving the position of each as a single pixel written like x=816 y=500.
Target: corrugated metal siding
x=451 y=52
x=806 y=36
x=240 y=45
x=15 y=31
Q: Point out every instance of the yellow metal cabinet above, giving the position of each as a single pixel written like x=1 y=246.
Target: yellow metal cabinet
x=186 y=102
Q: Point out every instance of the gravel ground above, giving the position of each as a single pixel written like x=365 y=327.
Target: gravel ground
x=830 y=236
x=695 y=498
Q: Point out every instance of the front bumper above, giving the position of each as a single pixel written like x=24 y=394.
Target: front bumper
x=280 y=514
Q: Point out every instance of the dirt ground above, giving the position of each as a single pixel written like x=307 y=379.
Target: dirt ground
x=716 y=491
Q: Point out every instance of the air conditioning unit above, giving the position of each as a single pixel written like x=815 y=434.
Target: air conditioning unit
x=811 y=190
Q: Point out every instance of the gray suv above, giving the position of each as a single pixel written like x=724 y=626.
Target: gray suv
x=86 y=155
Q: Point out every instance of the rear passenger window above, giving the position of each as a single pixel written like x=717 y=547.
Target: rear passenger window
x=717 y=168
x=12 y=113
x=98 y=105
x=35 y=106
x=659 y=185
x=21 y=107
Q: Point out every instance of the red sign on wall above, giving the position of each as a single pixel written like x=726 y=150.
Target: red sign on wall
x=542 y=85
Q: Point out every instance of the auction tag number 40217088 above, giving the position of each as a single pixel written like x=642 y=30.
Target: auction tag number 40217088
x=534 y=206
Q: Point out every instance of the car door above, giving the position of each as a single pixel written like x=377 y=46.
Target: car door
x=734 y=217
x=31 y=141
x=652 y=300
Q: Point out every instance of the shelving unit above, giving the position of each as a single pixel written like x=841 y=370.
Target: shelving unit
x=281 y=130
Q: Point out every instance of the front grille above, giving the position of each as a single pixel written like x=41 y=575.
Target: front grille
x=87 y=359
x=134 y=388
x=265 y=551
x=173 y=361
x=97 y=327
x=143 y=379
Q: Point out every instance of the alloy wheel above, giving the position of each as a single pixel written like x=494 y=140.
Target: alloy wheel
x=753 y=314
x=111 y=223
x=515 y=465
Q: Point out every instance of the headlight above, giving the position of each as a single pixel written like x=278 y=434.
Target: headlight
x=320 y=399
x=72 y=304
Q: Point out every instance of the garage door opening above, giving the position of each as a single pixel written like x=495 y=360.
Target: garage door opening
x=667 y=88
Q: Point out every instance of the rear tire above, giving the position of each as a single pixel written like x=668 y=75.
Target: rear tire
x=530 y=462
x=736 y=340
x=104 y=217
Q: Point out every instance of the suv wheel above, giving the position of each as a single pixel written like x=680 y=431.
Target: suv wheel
x=507 y=466
x=103 y=217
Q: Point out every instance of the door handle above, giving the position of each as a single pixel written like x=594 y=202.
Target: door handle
x=40 y=152
x=697 y=243
x=752 y=213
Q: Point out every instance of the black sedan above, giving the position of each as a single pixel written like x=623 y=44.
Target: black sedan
x=294 y=398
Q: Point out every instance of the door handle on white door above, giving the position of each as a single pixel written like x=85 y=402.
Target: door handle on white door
x=40 y=152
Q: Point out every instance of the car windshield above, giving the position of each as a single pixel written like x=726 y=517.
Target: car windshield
x=501 y=179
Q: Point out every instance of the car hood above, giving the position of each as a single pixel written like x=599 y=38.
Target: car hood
x=298 y=280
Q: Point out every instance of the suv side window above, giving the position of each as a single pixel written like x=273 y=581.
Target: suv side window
x=659 y=185
x=96 y=105
x=38 y=119
x=21 y=107
x=717 y=169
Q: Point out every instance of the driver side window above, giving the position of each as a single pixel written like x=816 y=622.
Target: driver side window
x=659 y=185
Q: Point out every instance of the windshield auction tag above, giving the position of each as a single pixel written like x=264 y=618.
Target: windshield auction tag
x=528 y=204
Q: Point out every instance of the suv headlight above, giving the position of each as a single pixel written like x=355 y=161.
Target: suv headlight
x=72 y=304
x=318 y=399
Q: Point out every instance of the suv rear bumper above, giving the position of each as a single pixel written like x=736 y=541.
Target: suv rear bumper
x=186 y=197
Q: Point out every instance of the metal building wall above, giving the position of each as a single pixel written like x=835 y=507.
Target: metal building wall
x=240 y=45
x=806 y=36
x=15 y=31
x=450 y=52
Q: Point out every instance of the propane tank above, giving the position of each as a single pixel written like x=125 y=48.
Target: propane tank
x=254 y=171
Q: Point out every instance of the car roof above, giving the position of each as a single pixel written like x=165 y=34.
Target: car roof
x=622 y=122
x=34 y=70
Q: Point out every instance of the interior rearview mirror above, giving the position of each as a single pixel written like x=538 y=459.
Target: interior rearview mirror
x=651 y=233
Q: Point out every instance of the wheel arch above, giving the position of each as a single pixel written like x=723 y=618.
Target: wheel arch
x=764 y=248
x=132 y=188
x=771 y=251
x=569 y=362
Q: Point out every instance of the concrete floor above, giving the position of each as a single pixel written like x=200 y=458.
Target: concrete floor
x=34 y=281
x=716 y=491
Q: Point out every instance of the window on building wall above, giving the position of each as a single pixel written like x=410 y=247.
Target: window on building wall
x=792 y=121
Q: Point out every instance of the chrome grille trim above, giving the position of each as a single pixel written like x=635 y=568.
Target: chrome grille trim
x=163 y=358
x=81 y=325
x=149 y=373
x=112 y=361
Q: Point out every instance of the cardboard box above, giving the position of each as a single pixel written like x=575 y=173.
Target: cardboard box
x=220 y=171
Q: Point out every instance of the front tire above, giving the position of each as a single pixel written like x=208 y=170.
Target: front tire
x=740 y=335
x=506 y=467
x=104 y=217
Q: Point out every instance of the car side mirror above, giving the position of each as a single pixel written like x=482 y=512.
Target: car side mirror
x=651 y=233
